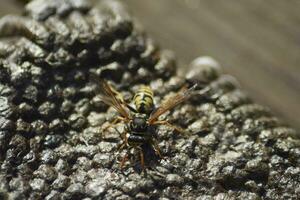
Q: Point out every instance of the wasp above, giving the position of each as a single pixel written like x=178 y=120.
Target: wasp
x=141 y=116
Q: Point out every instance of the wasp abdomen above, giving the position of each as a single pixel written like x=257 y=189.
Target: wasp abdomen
x=136 y=140
x=143 y=100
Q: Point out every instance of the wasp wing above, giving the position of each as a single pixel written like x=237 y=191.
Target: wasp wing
x=108 y=95
x=171 y=103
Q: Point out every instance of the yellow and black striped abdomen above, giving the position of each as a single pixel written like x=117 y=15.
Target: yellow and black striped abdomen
x=143 y=100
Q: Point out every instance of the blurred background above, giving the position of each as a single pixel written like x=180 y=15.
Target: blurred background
x=256 y=41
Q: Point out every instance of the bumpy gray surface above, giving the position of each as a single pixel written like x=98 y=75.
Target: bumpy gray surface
x=50 y=146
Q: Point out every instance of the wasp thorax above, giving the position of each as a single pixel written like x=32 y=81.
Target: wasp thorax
x=139 y=123
x=143 y=100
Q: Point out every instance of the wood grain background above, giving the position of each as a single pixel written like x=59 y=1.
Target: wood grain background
x=257 y=41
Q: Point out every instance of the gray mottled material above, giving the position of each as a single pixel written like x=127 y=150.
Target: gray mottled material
x=50 y=117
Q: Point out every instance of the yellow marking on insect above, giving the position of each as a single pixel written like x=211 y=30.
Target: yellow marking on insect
x=143 y=100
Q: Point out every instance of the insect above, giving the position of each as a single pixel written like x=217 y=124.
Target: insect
x=141 y=118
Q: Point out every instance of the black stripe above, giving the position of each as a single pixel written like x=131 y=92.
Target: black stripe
x=148 y=96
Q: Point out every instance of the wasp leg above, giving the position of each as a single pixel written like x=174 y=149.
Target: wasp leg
x=156 y=148
x=116 y=121
x=123 y=134
x=142 y=158
x=124 y=159
x=166 y=123
x=122 y=146
x=124 y=143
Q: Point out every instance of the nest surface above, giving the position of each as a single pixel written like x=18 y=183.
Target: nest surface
x=50 y=117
